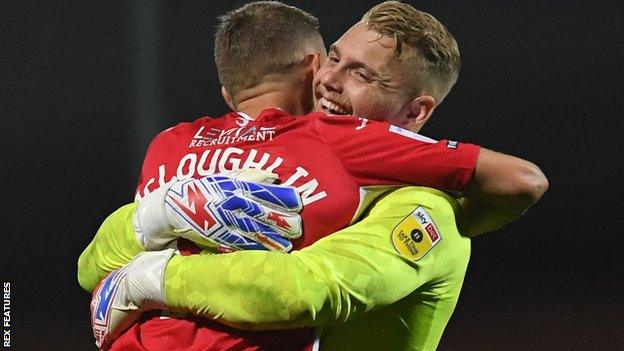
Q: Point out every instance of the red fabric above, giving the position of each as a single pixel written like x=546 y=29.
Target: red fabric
x=328 y=158
x=195 y=334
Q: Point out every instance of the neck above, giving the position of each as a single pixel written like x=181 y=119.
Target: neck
x=287 y=96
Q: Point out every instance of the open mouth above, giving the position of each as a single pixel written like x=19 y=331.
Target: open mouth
x=332 y=108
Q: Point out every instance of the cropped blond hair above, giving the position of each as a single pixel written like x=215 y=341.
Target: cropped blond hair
x=435 y=51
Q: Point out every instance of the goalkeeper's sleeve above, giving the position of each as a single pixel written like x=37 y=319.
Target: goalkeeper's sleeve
x=342 y=275
x=113 y=246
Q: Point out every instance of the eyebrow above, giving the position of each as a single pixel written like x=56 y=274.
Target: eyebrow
x=383 y=79
x=334 y=47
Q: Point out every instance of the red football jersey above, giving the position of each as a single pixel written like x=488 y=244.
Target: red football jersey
x=331 y=160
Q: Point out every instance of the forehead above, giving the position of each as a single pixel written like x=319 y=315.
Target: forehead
x=369 y=48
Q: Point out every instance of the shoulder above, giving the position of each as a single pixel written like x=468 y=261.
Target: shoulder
x=186 y=129
x=320 y=120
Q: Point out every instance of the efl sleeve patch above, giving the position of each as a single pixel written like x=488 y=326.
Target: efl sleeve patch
x=411 y=135
x=416 y=235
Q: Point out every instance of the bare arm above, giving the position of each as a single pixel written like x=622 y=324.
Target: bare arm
x=502 y=189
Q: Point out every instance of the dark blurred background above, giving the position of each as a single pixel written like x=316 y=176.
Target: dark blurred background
x=86 y=85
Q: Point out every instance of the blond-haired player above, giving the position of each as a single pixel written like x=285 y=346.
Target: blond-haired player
x=406 y=257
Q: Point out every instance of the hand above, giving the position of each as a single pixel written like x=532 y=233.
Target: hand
x=233 y=214
x=120 y=299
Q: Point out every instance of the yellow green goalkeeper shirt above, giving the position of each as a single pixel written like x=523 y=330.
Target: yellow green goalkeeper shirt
x=403 y=265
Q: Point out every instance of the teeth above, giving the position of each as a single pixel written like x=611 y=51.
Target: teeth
x=332 y=107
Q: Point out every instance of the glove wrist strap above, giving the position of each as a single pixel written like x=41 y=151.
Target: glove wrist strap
x=151 y=226
x=145 y=279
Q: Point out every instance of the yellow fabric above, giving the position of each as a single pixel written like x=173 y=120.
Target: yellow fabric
x=113 y=246
x=337 y=279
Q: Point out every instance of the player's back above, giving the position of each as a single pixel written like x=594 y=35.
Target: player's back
x=289 y=146
x=332 y=161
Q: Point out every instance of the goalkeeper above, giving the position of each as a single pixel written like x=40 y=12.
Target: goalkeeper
x=405 y=259
x=327 y=90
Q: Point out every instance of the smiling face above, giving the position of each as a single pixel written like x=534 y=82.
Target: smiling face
x=362 y=77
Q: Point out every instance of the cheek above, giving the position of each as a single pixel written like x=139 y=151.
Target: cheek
x=391 y=104
x=372 y=104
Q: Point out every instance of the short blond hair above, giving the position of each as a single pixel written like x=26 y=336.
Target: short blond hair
x=262 y=38
x=435 y=49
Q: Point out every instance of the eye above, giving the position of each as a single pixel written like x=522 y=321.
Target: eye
x=333 y=58
x=361 y=75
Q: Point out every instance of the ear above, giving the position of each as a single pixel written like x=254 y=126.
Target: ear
x=317 y=60
x=310 y=65
x=228 y=98
x=421 y=109
x=312 y=61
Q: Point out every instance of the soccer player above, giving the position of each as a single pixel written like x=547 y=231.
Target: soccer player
x=378 y=82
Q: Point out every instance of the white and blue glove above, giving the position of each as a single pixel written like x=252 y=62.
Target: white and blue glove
x=221 y=211
x=120 y=299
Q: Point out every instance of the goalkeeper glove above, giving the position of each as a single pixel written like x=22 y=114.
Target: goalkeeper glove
x=120 y=299
x=219 y=211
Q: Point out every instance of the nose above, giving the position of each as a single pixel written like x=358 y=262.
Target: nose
x=331 y=80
